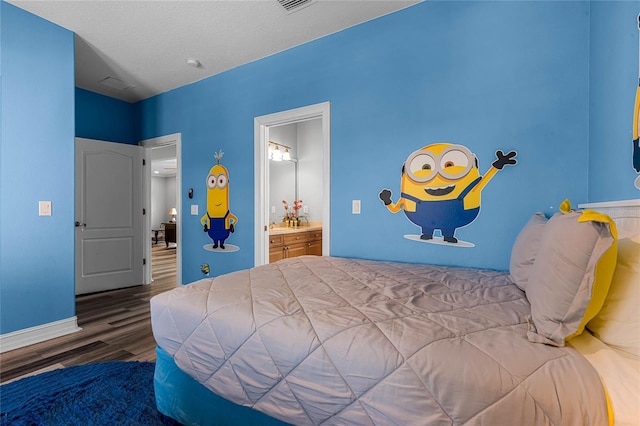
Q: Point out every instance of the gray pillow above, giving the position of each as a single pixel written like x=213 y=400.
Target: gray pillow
x=524 y=250
x=571 y=275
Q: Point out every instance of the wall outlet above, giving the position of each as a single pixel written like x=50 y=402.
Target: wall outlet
x=194 y=209
x=355 y=206
x=305 y=209
x=273 y=209
x=44 y=208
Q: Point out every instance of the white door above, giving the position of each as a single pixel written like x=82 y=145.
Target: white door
x=109 y=216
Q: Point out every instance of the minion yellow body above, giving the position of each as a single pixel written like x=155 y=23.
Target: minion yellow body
x=441 y=187
x=636 y=133
x=218 y=221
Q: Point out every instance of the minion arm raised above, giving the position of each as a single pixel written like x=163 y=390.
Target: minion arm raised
x=502 y=160
x=441 y=186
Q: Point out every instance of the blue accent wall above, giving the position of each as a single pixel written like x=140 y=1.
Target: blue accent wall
x=104 y=118
x=487 y=75
x=554 y=81
x=37 y=163
x=613 y=80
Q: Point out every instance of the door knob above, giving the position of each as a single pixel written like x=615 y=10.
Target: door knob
x=78 y=224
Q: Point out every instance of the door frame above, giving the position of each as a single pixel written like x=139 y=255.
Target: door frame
x=148 y=145
x=261 y=166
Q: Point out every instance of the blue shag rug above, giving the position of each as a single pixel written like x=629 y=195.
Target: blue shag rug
x=107 y=393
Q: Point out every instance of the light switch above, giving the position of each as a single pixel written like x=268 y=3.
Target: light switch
x=194 y=209
x=305 y=209
x=273 y=209
x=355 y=206
x=44 y=208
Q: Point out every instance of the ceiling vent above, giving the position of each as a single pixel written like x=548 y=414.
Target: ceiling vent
x=295 y=5
x=114 y=83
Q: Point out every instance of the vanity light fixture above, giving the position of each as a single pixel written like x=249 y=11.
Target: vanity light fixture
x=276 y=154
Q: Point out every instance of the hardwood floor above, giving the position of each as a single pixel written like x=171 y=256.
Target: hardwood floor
x=116 y=326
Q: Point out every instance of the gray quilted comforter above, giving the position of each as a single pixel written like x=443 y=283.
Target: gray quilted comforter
x=325 y=340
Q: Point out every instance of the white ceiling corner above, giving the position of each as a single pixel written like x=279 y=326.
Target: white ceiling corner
x=145 y=43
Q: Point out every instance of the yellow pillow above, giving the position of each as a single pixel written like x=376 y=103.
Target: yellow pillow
x=604 y=270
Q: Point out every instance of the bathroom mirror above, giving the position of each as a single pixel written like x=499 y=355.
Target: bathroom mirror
x=300 y=178
x=283 y=185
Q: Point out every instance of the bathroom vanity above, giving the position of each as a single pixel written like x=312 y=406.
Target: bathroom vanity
x=286 y=242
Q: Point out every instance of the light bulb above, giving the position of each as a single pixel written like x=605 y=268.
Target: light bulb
x=277 y=154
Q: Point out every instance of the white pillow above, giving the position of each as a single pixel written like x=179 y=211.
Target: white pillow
x=618 y=322
x=525 y=249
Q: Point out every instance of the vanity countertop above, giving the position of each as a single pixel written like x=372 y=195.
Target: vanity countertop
x=278 y=229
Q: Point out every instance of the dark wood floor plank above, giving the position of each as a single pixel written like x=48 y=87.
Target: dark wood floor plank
x=116 y=326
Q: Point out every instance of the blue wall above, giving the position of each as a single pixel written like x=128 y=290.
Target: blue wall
x=613 y=82
x=37 y=163
x=104 y=118
x=487 y=75
x=553 y=80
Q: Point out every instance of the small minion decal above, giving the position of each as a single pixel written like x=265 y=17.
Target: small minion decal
x=204 y=268
x=440 y=189
x=218 y=222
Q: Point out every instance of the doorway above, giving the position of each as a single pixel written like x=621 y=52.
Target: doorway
x=262 y=129
x=163 y=155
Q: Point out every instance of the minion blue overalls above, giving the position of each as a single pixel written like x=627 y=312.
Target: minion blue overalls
x=217 y=230
x=446 y=215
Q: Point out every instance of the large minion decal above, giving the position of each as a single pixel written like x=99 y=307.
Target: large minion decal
x=218 y=222
x=440 y=189
x=636 y=122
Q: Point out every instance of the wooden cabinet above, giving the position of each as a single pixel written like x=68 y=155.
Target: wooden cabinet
x=294 y=244
x=314 y=246
x=276 y=250
x=169 y=232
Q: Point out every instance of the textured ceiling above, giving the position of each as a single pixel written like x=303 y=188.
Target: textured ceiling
x=146 y=43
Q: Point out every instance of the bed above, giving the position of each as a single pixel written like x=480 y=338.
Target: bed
x=326 y=340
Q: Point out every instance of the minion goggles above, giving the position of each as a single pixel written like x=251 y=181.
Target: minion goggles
x=220 y=181
x=453 y=162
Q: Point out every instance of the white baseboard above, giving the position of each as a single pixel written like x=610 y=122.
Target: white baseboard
x=40 y=333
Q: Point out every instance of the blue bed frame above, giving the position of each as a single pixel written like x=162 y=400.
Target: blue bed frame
x=182 y=398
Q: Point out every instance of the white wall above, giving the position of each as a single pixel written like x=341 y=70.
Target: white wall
x=310 y=167
x=163 y=198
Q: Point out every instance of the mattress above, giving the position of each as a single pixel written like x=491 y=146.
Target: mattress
x=326 y=340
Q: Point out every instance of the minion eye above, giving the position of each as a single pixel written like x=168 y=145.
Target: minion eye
x=222 y=181
x=421 y=164
x=211 y=181
x=454 y=158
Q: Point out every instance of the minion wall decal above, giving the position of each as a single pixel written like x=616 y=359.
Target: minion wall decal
x=440 y=190
x=205 y=269
x=636 y=121
x=218 y=222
